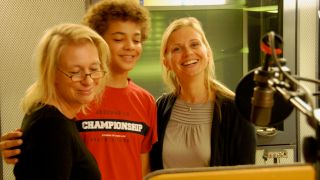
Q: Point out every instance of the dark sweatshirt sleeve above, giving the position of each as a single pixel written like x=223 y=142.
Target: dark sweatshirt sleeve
x=238 y=137
x=46 y=152
x=246 y=143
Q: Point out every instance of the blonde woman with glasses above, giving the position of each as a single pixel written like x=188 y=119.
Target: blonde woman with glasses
x=71 y=60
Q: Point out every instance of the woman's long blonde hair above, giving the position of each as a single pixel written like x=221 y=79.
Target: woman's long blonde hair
x=47 y=56
x=170 y=77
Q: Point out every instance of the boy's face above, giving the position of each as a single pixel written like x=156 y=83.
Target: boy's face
x=124 y=40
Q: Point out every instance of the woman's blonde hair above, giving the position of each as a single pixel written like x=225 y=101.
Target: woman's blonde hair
x=47 y=56
x=170 y=77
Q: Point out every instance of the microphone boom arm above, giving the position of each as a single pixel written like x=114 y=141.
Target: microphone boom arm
x=306 y=108
x=301 y=105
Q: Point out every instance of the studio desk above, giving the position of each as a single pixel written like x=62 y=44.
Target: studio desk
x=296 y=171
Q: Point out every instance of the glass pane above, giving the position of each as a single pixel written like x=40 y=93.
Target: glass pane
x=233 y=31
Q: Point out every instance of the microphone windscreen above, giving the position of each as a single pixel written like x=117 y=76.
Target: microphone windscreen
x=261 y=116
x=261 y=105
x=281 y=108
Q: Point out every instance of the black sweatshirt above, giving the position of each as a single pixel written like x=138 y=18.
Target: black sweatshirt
x=52 y=149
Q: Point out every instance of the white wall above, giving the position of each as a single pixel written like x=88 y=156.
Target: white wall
x=21 y=25
x=307 y=54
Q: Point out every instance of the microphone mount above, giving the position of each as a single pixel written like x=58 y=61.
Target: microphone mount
x=275 y=76
x=289 y=87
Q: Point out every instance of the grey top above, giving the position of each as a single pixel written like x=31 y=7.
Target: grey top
x=187 y=137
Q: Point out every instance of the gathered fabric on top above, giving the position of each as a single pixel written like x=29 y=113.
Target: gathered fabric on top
x=187 y=141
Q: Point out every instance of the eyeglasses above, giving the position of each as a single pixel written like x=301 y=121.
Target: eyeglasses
x=81 y=76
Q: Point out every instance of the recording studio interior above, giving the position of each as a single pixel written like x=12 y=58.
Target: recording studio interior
x=287 y=135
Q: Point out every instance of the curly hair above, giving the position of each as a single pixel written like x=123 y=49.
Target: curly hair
x=103 y=12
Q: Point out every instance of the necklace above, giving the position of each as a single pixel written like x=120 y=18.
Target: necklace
x=189 y=106
x=189 y=109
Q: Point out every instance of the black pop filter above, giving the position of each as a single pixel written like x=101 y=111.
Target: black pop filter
x=281 y=108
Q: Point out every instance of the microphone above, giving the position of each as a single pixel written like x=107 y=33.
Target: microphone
x=255 y=98
x=262 y=99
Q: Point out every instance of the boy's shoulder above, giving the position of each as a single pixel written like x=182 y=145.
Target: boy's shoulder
x=138 y=89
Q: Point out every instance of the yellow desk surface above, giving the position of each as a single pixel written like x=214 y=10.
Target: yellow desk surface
x=244 y=172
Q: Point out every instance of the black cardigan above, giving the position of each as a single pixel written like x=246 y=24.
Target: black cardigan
x=233 y=139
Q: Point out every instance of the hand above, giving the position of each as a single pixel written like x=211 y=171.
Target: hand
x=7 y=144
